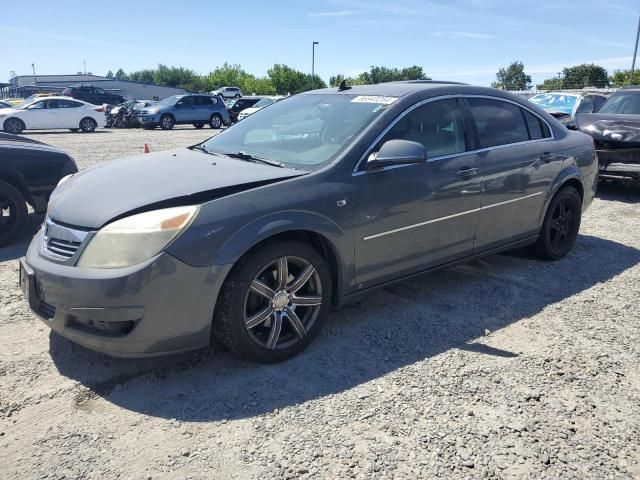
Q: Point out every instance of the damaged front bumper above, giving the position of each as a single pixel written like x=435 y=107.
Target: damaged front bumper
x=619 y=162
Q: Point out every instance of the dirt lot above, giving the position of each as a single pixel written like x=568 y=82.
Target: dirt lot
x=507 y=367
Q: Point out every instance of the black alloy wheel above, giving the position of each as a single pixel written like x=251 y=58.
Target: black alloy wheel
x=13 y=213
x=561 y=225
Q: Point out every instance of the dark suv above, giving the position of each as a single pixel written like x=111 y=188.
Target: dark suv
x=236 y=105
x=94 y=95
x=184 y=109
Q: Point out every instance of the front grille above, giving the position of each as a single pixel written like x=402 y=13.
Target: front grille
x=61 y=242
x=62 y=247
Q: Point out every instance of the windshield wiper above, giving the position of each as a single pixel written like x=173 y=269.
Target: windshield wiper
x=251 y=158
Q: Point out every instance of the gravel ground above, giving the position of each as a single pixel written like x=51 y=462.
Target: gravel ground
x=506 y=367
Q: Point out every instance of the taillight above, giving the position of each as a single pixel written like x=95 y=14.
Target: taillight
x=99 y=109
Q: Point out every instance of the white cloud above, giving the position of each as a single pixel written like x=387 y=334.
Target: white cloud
x=455 y=35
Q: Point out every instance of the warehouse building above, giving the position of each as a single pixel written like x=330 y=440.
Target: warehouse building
x=25 y=85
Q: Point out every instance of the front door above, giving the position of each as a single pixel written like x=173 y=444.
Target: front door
x=518 y=167
x=411 y=217
x=42 y=114
x=185 y=110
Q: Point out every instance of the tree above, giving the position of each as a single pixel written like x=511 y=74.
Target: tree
x=550 y=84
x=513 y=77
x=109 y=74
x=585 y=75
x=236 y=76
x=623 y=77
x=382 y=74
x=289 y=80
x=121 y=75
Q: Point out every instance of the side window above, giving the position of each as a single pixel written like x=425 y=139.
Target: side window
x=68 y=104
x=187 y=101
x=38 y=106
x=497 y=122
x=586 y=105
x=438 y=125
x=535 y=126
x=207 y=101
x=598 y=101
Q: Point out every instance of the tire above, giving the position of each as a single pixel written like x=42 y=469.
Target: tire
x=281 y=328
x=198 y=125
x=215 y=121
x=13 y=213
x=561 y=225
x=88 y=125
x=167 y=122
x=14 y=126
x=237 y=95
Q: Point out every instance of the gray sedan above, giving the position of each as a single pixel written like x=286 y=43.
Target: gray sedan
x=252 y=235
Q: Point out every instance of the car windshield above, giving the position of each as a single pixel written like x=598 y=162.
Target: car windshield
x=622 y=103
x=559 y=102
x=304 y=131
x=264 y=102
x=169 y=100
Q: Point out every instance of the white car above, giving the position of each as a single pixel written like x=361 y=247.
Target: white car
x=52 y=112
x=265 y=102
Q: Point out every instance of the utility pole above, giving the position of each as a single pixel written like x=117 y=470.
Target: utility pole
x=313 y=64
x=635 y=52
x=35 y=79
x=84 y=63
x=559 y=80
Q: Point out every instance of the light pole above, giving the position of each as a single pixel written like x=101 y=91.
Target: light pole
x=635 y=52
x=313 y=64
x=559 y=80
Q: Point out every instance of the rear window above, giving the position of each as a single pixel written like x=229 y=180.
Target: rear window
x=537 y=128
x=498 y=122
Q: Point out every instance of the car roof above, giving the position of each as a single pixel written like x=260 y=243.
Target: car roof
x=396 y=89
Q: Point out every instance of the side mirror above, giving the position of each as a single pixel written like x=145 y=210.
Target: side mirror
x=397 y=152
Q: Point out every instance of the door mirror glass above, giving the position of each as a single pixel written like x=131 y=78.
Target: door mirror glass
x=397 y=152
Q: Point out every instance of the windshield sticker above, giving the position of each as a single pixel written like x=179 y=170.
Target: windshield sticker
x=374 y=99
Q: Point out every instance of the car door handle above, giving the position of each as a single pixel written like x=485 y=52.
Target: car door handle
x=466 y=172
x=546 y=157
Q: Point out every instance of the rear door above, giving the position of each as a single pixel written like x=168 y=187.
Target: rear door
x=516 y=154
x=411 y=217
x=204 y=107
x=69 y=113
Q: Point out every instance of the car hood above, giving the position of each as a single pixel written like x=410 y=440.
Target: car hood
x=156 y=180
x=610 y=127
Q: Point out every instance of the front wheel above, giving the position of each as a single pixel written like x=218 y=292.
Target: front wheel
x=167 y=122
x=215 y=121
x=88 y=125
x=274 y=302
x=14 y=126
x=13 y=213
x=561 y=225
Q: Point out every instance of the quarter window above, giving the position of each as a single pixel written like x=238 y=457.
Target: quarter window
x=497 y=122
x=437 y=125
x=68 y=104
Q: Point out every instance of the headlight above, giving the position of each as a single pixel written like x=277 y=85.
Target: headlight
x=153 y=111
x=64 y=179
x=137 y=238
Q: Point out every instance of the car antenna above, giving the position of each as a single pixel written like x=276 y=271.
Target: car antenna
x=343 y=86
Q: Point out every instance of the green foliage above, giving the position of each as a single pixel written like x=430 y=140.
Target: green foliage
x=288 y=80
x=380 y=75
x=121 y=75
x=623 y=77
x=513 y=77
x=235 y=76
x=109 y=74
x=578 y=76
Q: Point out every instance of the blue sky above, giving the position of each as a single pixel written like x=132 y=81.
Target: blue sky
x=463 y=40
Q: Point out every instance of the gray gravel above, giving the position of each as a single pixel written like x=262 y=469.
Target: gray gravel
x=506 y=367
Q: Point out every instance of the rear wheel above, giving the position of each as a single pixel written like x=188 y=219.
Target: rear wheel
x=13 y=213
x=215 y=121
x=561 y=225
x=167 y=122
x=274 y=302
x=88 y=125
x=14 y=125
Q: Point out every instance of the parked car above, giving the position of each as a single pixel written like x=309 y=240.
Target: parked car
x=236 y=105
x=253 y=234
x=52 y=112
x=127 y=114
x=13 y=101
x=228 y=92
x=94 y=95
x=260 y=104
x=4 y=104
x=194 y=109
x=615 y=129
x=564 y=105
x=29 y=172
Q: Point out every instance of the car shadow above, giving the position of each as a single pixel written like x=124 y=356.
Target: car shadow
x=390 y=329
x=62 y=132
x=19 y=247
x=619 y=191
